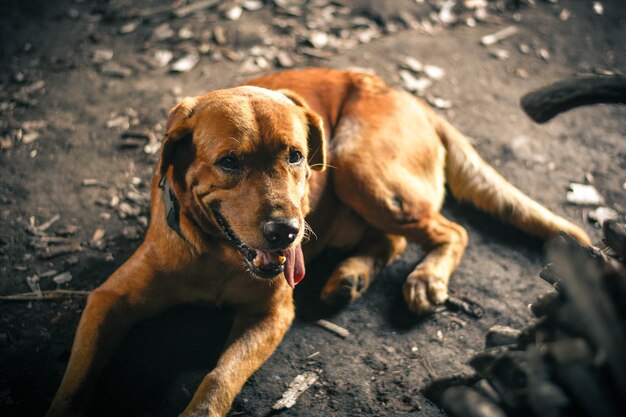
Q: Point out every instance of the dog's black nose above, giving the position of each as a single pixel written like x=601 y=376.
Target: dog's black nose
x=280 y=234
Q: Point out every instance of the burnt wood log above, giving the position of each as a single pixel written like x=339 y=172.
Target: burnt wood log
x=576 y=371
x=570 y=362
x=588 y=310
x=546 y=102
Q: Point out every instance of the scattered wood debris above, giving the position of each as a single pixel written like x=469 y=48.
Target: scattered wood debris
x=100 y=56
x=498 y=36
x=186 y=63
x=571 y=358
x=584 y=195
x=89 y=182
x=297 y=387
x=411 y=64
x=425 y=357
x=438 y=102
x=115 y=70
x=62 y=278
x=446 y=13
x=129 y=27
x=29 y=137
x=413 y=84
x=33 y=284
x=234 y=13
x=434 y=72
x=500 y=54
x=284 y=60
x=140 y=138
x=117 y=121
x=49 y=273
x=333 y=328
x=601 y=215
x=598 y=8
x=45 y=226
x=183 y=11
x=97 y=238
x=312 y=355
x=50 y=252
x=501 y=335
x=163 y=57
x=45 y=295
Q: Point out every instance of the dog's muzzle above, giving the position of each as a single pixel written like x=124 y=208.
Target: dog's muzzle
x=269 y=264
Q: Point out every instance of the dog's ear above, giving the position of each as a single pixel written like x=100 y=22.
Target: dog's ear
x=178 y=127
x=316 y=139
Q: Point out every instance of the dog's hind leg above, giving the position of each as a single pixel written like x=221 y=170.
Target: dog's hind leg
x=390 y=170
x=443 y=241
x=354 y=275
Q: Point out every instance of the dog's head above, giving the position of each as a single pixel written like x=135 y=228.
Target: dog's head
x=239 y=160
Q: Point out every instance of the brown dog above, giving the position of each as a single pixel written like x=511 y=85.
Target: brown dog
x=230 y=196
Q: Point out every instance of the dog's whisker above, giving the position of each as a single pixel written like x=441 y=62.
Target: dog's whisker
x=319 y=165
x=308 y=232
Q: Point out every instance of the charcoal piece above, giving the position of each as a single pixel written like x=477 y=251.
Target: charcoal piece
x=546 y=304
x=588 y=310
x=501 y=335
x=467 y=402
x=615 y=237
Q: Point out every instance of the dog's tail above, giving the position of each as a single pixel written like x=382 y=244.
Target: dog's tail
x=471 y=179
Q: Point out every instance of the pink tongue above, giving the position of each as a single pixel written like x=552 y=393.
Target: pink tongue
x=294 y=266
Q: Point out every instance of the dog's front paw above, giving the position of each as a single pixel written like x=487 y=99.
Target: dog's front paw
x=423 y=292
x=344 y=290
x=347 y=283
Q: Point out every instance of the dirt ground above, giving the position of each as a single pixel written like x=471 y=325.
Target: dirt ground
x=68 y=129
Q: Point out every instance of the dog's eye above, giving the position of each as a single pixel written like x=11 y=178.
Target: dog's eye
x=295 y=157
x=229 y=164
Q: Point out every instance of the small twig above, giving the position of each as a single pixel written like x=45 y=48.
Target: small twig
x=194 y=7
x=53 y=251
x=463 y=304
x=177 y=10
x=498 y=36
x=333 y=328
x=42 y=228
x=426 y=361
x=45 y=295
x=312 y=355
x=457 y=320
x=54 y=239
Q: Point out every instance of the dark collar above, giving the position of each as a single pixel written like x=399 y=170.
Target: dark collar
x=172 y=209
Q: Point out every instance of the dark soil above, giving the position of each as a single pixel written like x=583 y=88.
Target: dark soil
x=390 y=355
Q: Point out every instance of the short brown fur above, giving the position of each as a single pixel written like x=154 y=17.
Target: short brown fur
x=390 y=157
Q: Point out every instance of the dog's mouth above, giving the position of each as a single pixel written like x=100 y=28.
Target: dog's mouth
x=266 y=264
